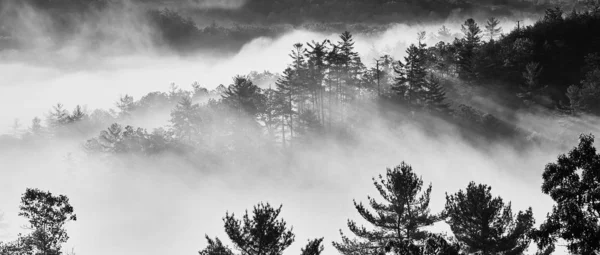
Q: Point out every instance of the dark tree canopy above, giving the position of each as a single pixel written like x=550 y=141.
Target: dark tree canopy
x=314 y=247
x=399 y=219
x=47 y=215
x=215 y=247
x=485 y=224
x=573 y=182
x=259 y=234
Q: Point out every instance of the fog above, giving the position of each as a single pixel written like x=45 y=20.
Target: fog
x=160 y=205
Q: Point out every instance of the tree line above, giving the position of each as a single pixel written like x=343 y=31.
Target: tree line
x=480 y=222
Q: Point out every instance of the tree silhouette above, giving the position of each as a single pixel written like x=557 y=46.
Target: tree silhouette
x=215 y=247
x=484 y=224
x=399 y=219
x=573 y=183
x=47 y=216
x=492 y=27
x=243 y=96
x=262 y=234
x=314 y=247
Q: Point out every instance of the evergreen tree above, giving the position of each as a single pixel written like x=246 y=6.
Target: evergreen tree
x=126 y=105
x=243 y=96
x=468 y=45
x=573 y=183
x=444 y=34
x=215 y=247
x=186 y=119
x=317 y=67
x=263 y=234
x=286 y=99
x=484 y=224
x=410 y=75
x=434 y=96
x=399 y=219
x=36 y=126
x=314 y=247
x=492 y=28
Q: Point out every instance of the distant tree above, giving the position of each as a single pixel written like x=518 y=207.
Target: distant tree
x=287 y=97
x=215 y=247
x=434 y=96
x=399 y=219
x=468 y=46
x=575 y=99
x=411 y=75
x=314 y=247
x=243 y=96
x=573 y=183
x=126 y=105
x=532 y=76
x=444 y=34
x=263 y=234
x=186 y=119
x=492 y=28
x=484 y=224
x=36 y=126
x=16 y=128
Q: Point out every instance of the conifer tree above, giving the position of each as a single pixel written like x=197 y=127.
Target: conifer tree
x=399 y=219
x=243 y=96
x=286 y=90
x=259 y=234
x=410 y=75
x=492 y=28
x=314 y=247
x=573 y=183
x=215 y=247
x=484 y=224
x=468 y=46
x=186 y=119
x=434 y=96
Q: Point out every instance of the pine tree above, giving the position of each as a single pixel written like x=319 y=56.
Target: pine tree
x=263 y=234
x=126 y=105
x=484 y=224
x=314 y=247
x=186 y=119
x=317 y=68
x=468 y=46
x=573 y=183
x=492 y=28
x=215 y=247
x=286 y=89
x=434 y=96
x=243 y=96
x=36 y=126
x=399 y=219
x=410 y=75
x=444 y=34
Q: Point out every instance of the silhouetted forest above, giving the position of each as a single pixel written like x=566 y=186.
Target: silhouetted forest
x=480 y=222
x=327 y=90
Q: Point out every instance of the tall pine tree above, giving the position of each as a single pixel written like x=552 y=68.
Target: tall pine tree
x=399 y=219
